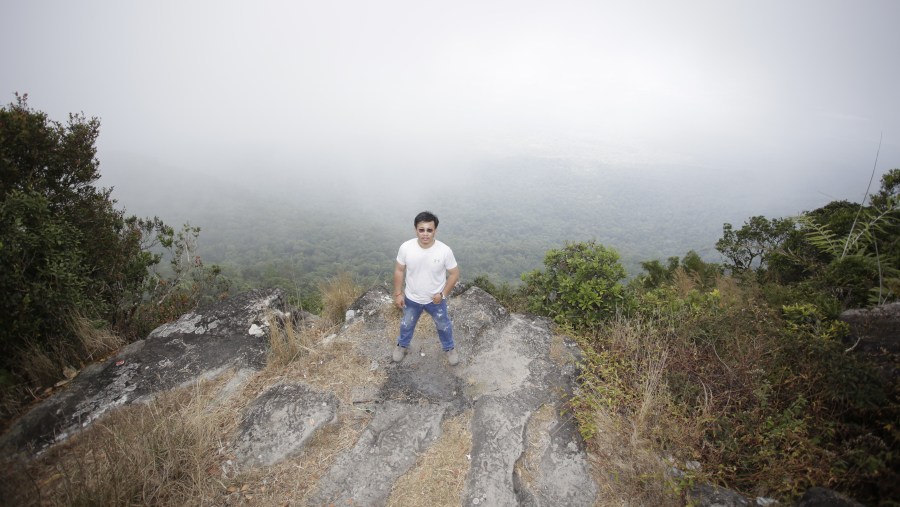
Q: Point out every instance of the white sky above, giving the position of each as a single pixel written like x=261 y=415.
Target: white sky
x=795 y=91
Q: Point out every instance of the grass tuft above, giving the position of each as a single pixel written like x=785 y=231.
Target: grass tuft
x=289 y=341
x=96 y=341
x=338 y=293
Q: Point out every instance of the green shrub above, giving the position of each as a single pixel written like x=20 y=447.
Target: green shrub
x=579 y=287
x=68 y=254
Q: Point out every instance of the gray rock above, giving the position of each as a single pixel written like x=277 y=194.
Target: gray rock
x=387 y=448
x=876 y=328
x=279 y=422
x=565 y=473
x=200 y=344
x=822 y=497
x=707 y=495
x=505 y=376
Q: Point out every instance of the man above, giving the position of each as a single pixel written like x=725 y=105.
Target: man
x=431 y=273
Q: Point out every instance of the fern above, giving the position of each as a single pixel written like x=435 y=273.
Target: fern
x=820 y=236
x=860 y=241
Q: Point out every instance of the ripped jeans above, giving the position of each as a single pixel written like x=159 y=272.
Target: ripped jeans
x=438 y=313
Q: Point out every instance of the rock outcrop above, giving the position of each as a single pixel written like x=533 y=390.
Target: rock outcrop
x=876 y=328
x=875 y=332
x=511 y=366
x=512 y=383
x=229 y=335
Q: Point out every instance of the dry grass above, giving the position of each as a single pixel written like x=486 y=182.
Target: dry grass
x=96 y=342
x=289 y=482
x=439 y=475
x=633 y=419
x=336 y=369
x=339 y=370
x=51 y=364
x=175 y=449
x=338 y=293
x=41 y=366
x=684 y=282
x=161 y=453
x=628 y=470
x=288 y=342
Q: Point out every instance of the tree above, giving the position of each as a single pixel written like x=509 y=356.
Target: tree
x=66 y=251
x=44 y=277
x=751 y=246
x=889 y=191
x=580 y=285
x=54 y=167
x=858 y=247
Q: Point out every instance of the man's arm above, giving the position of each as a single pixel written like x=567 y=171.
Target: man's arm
x=452 y=278
x=399 y=271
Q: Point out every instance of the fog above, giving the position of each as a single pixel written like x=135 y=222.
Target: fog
x=403 y=103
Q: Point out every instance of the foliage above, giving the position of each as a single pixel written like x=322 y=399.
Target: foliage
x=44 y=277
x=753 y=244
x=767 y=400
x=580 y=286
x=66 y=251
x=187 y=283
x=859 y=259
x=69 y=255
x=850 y=252
x=702 y=273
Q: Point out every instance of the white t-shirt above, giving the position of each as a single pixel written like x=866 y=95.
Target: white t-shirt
x=426 y=269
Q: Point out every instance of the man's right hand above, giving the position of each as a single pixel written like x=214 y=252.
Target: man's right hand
x=400 y=301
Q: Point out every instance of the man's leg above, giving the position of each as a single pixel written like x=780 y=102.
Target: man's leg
x=411 y=315
x=443 y=324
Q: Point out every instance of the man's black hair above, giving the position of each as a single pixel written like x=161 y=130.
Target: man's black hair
x=425 y=216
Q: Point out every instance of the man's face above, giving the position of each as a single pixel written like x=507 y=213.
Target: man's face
x=425 y=232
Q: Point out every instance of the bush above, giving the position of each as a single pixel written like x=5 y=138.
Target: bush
x=580 y=286
x=68 y=255
x=764 y=396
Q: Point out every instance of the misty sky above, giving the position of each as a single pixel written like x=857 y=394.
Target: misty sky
x=796 y=92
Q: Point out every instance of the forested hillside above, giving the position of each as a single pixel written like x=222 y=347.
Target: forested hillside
x=500 y=217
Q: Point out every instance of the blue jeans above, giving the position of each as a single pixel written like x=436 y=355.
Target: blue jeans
x=438 y=313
